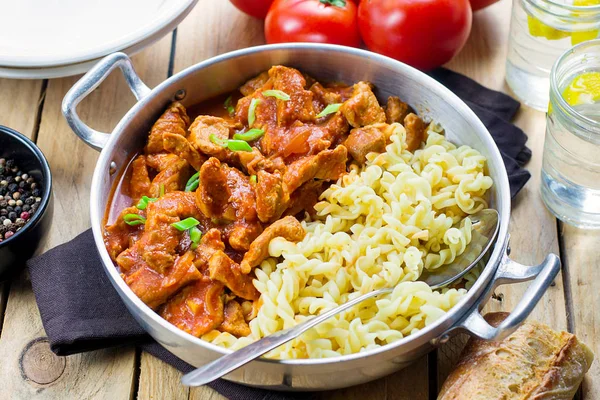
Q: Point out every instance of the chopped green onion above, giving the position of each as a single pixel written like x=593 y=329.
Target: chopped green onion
x=195 y=236
x=192 y=183
x=134 y=219
x=217 y=140
x=193 y=186
x=278 y=94
x=186 y=224
x=233 y=145
x=250 y=135
x=229 y=106
x=238 y=145
x=252 y=111
x=143 y=203
x=161 y=190
x=330 y=109
x=253 y=179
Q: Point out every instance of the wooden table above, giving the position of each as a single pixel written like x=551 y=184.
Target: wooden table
x=28 y=370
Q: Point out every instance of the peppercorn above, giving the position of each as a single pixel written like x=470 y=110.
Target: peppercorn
x=20 y=197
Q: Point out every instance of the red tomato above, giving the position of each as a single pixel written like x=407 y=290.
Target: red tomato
x=479 y=4
x=422 y=33
x=312 y=21
x=255 y=8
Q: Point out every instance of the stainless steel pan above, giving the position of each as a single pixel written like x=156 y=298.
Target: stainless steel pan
x=325 y=62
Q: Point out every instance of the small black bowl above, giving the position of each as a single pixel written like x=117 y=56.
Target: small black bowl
x=15 y=250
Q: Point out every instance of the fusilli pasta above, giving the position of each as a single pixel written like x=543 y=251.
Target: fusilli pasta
x=378 y=226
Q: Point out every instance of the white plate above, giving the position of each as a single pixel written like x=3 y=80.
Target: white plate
x=80 y=68
x=52 y=33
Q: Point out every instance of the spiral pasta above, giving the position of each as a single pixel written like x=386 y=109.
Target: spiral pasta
x=378 y=226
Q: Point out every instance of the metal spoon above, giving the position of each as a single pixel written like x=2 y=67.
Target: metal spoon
x=485 y=229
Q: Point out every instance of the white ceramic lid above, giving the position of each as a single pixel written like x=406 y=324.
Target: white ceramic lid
x=48 y=33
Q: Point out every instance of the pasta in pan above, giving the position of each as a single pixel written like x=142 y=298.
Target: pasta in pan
x=377 y=226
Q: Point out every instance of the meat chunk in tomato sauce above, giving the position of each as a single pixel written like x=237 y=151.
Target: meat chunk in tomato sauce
x=223 y=269
x=197 y=308
x=239 y=200
x=288 y=228
x=396 y=110
x=180 y=146
x=174 y=120
x=205 y=130
x=415 y=131
x=209 y=244
x=234 y=321
x=120 y=236
x=362 y=108
x=327 y=165
x=157 y=246
x=363 y=141
x=139 y=184
x=171 y=179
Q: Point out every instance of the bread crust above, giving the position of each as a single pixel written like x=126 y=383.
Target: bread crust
x=534 y=363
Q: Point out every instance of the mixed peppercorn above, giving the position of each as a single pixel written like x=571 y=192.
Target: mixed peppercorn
x=19 y=198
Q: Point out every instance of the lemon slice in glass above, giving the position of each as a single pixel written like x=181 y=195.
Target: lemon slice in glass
x=538 y=29
x=584 y=89
x=579 y=37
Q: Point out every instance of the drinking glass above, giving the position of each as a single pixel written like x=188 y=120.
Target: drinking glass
x=571 y=162
x=540 y=31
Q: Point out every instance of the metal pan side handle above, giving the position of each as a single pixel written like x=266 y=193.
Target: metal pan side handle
x=90 y=81
x=512 y=272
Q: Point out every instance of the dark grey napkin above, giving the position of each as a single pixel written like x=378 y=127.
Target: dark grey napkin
x=81 y=311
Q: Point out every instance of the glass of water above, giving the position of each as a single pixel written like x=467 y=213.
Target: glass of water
x=540 y=31
x=571 y=163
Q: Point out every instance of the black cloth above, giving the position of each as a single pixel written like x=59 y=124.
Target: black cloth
x=81 y=311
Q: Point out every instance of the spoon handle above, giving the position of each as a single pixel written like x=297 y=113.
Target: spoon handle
x=234 y=360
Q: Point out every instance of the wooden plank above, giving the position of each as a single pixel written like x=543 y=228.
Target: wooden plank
x=205 y=393
x=532 y=227
x=158 y=380
x=19 y=105
x=582 y=257
x=28 y=368
x=212 y=28
x=18 y=110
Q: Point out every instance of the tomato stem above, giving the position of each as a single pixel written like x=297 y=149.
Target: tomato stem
x=337 y=3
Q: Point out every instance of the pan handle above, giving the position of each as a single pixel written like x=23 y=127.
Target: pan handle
x=509 y=271
x=91 y=81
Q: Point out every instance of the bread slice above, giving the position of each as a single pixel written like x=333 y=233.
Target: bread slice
x=534 y=363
